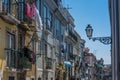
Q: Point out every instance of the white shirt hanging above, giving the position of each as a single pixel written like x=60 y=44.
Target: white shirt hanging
x=39 y=25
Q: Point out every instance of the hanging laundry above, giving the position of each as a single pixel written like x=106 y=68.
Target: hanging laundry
x=28 y=53
x=39 y=25
x=30 y=10
x=33 y=57
x=33 y=10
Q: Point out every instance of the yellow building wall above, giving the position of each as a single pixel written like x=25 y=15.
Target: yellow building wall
x=6 y=72
x=3 y=27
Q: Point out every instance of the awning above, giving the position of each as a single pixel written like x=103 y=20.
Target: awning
x=68 y=63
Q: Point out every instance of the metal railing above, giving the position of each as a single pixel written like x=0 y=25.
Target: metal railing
x=16 y=59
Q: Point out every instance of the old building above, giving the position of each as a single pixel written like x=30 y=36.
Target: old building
x=18 y=38
x=38 y=38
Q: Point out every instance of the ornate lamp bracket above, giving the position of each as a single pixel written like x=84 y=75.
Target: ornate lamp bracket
x=104 y=40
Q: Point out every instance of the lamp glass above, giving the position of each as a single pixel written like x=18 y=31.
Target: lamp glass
x=89 y=31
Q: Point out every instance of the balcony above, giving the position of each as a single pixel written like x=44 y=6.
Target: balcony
x=58 y=3
x=70 y=36
x=7 y=12
x=71 y=56
x=47 y=30
x=17 y=60
x=49 y=64
x=48 y=25
x=11 y=58
x=63 y=48
x=13 y=12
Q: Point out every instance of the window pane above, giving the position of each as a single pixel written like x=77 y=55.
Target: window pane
x=32 y=45
x=10 y=53
x=38 y=4
x=21 y=11
x=39 y=46
x=11 y=78
x=45 y=16
x=8 y=41
x=12 y=41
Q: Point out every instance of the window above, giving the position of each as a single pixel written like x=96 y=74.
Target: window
x=6 y=5
x=49 y=20
x=62 y=33
x=58 y=24
x=14 y=7
x=11 y=78
x=45 y=16
x=32 y=45
x=70 y=28
x=10 y=52
x=21 y=11
x=21 y=39
x=48 y=63
x=45 y=48
x=55 y=27
x=38 y=4
x=39 y=47
x=39 y=78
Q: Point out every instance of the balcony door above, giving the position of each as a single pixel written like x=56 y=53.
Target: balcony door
x=10 y=50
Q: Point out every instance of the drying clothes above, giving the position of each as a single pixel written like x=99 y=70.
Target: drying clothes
x=33 y=57
x=28 y=53
x=39 y=25
x=33 y=13
x=33 y=10
x=30 y=10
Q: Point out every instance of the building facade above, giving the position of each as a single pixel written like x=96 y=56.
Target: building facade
x=37 y=38
x=115 y=30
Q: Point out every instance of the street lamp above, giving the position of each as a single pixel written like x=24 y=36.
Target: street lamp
x=101 y=61
x=89 y=32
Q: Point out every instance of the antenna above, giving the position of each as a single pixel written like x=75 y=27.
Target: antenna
x=68 y=7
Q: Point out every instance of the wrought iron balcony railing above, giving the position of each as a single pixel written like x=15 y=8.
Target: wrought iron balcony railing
x=17 y=59
x=71 y=35
x=15 y=9
x=11 y=57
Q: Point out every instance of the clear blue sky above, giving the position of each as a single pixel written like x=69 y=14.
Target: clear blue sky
x=94 y=12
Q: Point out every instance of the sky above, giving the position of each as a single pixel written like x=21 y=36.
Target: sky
x=95 y=13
